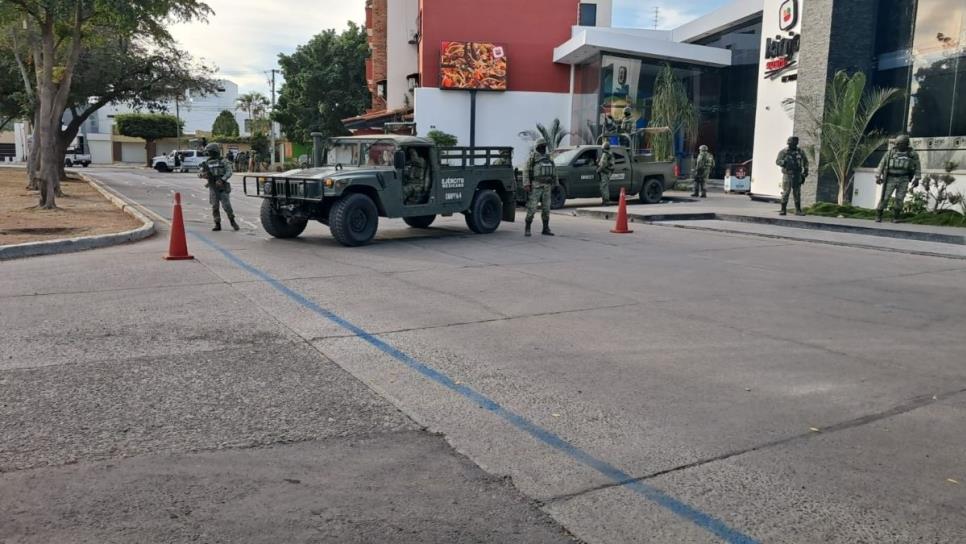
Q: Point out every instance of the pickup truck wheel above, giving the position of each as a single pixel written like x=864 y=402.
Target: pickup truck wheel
x=86 y=164
x=68 y=163
x=420 y=221
x=278 y=225
x=485 y=212
x=558 y=197
x=161 y=167
x=353 y=220
x=652 y=191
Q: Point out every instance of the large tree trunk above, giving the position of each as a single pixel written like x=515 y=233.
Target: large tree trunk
x=33 y=159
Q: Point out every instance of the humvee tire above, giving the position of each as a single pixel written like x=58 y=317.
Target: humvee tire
x=558 y=197
x=354 y=220
x=652 y=191
x=420 y=221
x=485 y=212
x=278 y=225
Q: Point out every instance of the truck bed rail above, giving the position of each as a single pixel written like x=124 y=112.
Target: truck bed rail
x=476 y=157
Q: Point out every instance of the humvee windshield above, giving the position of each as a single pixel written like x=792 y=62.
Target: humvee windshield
x=356 y=153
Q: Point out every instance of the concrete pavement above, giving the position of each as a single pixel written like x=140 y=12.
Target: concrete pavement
x=665 y=386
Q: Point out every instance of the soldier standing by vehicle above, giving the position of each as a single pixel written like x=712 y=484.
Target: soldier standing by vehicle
x=539 y=179
x=794 y=165
x=898 y=167
x=605 y=167
x=415 y=178
x=702 y=171
x=218 y=171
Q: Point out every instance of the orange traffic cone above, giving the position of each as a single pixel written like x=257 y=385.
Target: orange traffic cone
x=621 y=226
x=178 y=247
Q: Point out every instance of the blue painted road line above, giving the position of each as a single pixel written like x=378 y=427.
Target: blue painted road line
x=618 y=476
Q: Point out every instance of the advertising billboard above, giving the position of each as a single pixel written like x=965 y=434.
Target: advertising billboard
x=473 y=65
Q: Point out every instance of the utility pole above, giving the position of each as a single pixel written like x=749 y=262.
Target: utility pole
x=271 y=123
x=657 y=16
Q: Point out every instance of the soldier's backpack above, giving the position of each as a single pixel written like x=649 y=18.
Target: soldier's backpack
x=543 y=169
x=900 y=164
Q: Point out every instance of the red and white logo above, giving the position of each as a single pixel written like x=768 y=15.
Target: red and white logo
x=788 y=15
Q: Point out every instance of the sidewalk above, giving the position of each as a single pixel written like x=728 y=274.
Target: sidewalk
x=738 y=214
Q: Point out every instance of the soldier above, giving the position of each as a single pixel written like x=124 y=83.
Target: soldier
x=414 y=180
x=794 y=165
x=605 y=167
x=627 y=123
x=539 y=179
x=898 y=167
x=218 y=171
x=702 y=171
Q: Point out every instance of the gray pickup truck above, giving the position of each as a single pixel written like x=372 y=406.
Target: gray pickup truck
x=637 y=175
x=361 y=179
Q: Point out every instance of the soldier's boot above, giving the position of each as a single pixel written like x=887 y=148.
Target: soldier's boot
x=878 y=216
x=799 y=212
x=784 y=210
x=217 y=226
x=695 y=193
x=234 y=225
x=526 y=230
x=546 y=229
x=896 y=216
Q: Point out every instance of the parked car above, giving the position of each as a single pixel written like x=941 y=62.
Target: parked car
x=637 y=175
x=362 y=180
x=182 y=160
x=75 y=157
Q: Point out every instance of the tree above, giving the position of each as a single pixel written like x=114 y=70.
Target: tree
x=325 y=82
x=12 y=97
x=841 y=128
x=148 y=126
x=442 y=139
x=554 y=135
x=225 y=125
x=57 y=34
x=673 y=109
x=254 y=104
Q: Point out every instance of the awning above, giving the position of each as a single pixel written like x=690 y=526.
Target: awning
x=586 y=43
x=376 y=119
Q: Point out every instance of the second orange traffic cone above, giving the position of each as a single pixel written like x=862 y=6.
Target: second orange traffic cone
x=621 y=226
x=178 y=247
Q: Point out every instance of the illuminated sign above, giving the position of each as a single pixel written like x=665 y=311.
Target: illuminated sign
x=788 y=15
x=781 y=54
x=473 y=65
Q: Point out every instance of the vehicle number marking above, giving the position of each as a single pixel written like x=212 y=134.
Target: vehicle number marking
x=453 y=196
x=618 y=177
x=587 y=177
x=453 y=183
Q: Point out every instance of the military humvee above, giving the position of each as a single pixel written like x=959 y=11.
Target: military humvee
x=361 y=179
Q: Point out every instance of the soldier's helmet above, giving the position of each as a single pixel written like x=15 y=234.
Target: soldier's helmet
x=793 y=141
x=902 y=142
x=213 y=151
x=606 y=146
x=628 y=111
x=540 y=143
x=703 y=149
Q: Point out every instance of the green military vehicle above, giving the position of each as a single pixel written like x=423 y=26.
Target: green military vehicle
x=360 y=179
x=637 y=175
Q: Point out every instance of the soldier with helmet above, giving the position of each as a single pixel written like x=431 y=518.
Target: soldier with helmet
x=605 y=167
x=794 y=165
x=628 y=126
x=218 y=171
x=898 y=168
x=539 y=179
x=702 y=171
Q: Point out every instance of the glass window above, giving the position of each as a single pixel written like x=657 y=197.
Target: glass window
x=588 y=15
x=895 y=22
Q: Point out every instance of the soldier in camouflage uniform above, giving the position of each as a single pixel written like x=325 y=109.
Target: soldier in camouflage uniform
x=605 y=167
x=539 y=179
x=218 y=171
x=414 y=182
x=702 y=171
x=898 y=168
x=794 y=165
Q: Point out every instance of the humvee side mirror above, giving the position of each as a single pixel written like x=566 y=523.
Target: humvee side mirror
x=399 y=160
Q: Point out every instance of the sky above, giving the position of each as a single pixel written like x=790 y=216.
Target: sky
x=244 y=37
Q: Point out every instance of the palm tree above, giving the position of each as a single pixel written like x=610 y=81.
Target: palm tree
x=255 y=104
x=842 y=130
x=554 y=135
x=673 y=109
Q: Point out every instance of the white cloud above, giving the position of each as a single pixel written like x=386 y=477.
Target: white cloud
x=244 y=37
x=640 y=13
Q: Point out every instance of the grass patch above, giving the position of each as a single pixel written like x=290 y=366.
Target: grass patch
x=945 y=218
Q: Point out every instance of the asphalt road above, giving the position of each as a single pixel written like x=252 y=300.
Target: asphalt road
x=663 y=386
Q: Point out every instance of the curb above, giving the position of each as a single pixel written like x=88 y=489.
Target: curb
x=940 y=238
x=84 y=243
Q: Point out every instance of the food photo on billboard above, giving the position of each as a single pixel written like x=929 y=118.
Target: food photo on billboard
x=473 y=66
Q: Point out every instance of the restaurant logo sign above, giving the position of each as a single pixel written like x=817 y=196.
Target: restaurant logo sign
x=781 y=52
x=788 y=15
